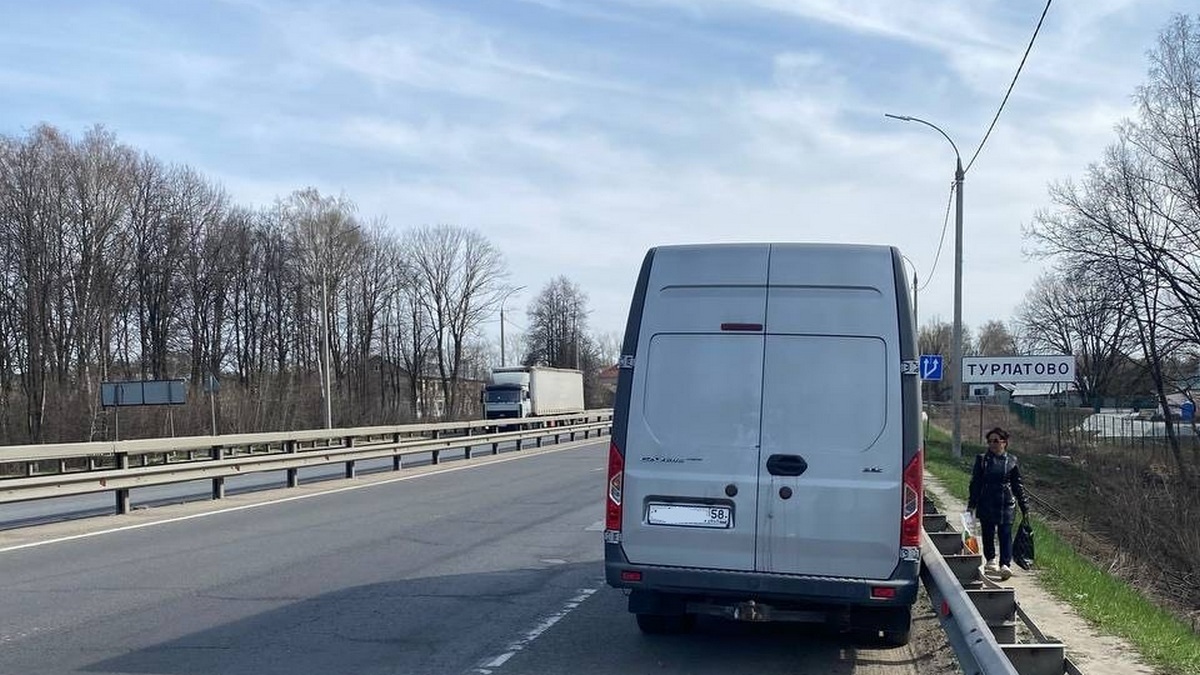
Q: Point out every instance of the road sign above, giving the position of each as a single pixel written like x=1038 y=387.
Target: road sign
x=143 y=392
x=931 y=366
x=984 y=369
x=982 y=390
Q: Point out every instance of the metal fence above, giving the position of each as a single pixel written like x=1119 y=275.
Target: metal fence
x=1111 y=427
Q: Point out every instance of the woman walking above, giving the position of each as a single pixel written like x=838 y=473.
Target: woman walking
x=996 y=490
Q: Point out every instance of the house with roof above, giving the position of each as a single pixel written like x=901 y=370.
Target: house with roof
x=1041 y=394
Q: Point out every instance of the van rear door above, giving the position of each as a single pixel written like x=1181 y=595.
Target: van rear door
x=831 y=440
x=691 y=460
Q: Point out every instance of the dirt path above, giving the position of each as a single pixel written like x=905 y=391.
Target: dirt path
x=1094 y=653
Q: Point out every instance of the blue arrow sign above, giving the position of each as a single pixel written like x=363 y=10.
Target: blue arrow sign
x=931 y=366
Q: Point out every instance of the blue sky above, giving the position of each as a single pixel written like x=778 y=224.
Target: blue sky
x=575 y=134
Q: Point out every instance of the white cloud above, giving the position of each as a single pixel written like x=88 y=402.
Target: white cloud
x=577 y=143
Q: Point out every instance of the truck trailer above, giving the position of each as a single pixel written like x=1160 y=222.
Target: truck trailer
x=532 y=391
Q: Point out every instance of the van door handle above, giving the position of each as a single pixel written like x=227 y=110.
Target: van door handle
x=786 y=465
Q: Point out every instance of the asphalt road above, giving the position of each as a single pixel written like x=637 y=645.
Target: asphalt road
x=488 y=567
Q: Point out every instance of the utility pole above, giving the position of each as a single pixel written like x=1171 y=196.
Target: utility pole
x=956 y=347
x=502 y=301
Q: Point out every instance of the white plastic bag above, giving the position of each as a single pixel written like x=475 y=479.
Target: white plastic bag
x=969 y=537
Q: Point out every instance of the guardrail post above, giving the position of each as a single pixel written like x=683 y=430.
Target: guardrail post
x=1033 y=659
x=538 y=441
x=349 y=443
x=218 y=483
x=122 y=493
x=435 y=456
x=519 y=444
x=572 y=435
x=396 y=461
x=293 y=475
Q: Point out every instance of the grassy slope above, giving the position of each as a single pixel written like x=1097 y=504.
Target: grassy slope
x=1106 y=601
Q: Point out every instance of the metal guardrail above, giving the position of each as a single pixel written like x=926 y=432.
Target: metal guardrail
x=973 y=643
x=109 y=466
x=979 y=617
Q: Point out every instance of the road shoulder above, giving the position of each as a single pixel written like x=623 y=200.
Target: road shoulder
x=1092 y=651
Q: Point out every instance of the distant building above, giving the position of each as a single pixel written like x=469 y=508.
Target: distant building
x=1042 y=393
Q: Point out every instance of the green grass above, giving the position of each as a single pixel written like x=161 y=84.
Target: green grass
x=1106 y=601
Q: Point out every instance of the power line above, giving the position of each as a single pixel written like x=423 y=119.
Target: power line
x=1010 y=86
x=941 y=240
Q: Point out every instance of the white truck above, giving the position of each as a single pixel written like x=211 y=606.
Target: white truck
x=532 y=391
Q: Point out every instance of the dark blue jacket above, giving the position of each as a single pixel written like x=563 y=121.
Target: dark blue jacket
x=996 y=488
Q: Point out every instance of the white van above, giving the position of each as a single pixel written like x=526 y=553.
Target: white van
x=766 y=452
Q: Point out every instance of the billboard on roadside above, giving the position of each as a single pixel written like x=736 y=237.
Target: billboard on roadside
x=143 y=392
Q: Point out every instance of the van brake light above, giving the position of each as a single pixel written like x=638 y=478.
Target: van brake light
x=913 y=502
x=616 y=480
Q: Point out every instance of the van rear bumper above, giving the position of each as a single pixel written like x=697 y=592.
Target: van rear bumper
x=780 y=588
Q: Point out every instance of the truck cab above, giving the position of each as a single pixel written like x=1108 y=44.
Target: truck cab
x=507 y=395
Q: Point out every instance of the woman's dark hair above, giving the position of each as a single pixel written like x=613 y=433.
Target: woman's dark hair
x=997 y=431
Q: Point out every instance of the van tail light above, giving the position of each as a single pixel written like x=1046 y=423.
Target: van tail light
x=612 y=501
x=913 y=503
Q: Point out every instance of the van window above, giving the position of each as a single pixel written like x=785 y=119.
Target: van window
x=703 y=389
x=824 y=393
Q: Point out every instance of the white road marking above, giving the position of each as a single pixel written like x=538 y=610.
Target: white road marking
x=531 y=635
x=597 y=526
x=472 y=465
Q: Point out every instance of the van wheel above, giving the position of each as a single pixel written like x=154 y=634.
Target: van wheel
x=886 y=628
x=898 y=627
x=665 y=624
x=896 y=638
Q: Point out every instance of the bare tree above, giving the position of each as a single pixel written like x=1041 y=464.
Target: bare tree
x=116 y=266
x=558 y=335
x=1124 y=225
x=99 y=170
x=558 y=325
x=374 y=280
x=996 y=340
x=326 y=236
x=608 y=346
x=458 y=276
x=935 y=337
x=30 y=197
x=1074 y=312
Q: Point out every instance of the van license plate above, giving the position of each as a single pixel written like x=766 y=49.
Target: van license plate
x=685 y=515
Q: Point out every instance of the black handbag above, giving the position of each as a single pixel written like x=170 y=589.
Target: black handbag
x=1023 y=544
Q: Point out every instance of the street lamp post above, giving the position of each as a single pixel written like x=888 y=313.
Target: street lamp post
x=326 y=384
x=349 y=229
x=502 y=301
x=956 y=346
